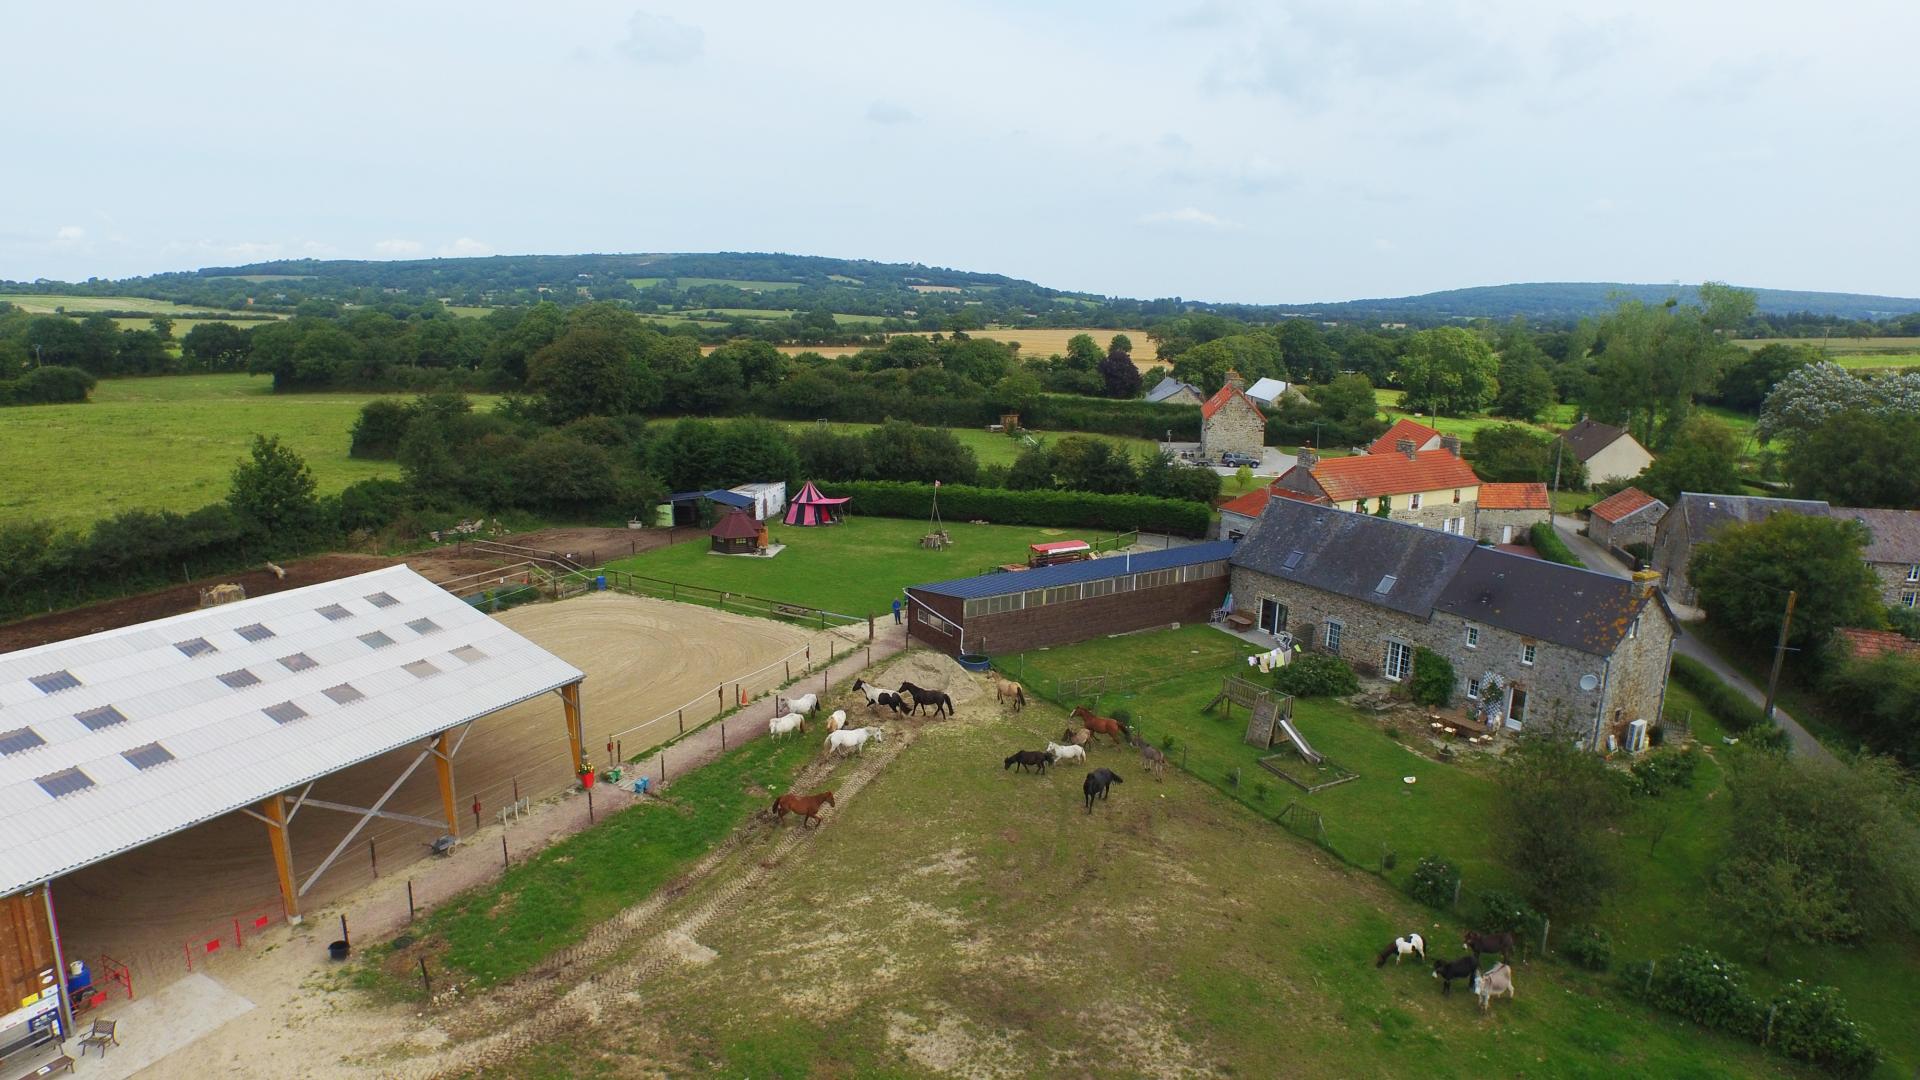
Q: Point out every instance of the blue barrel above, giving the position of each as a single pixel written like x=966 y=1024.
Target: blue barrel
x=974 y=662
x=600 y=583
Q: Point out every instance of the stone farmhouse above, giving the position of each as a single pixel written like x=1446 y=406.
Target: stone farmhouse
x=1624 y=518
x=1508 y=512
x=1892 y=551
x=1231 y=423
x=1434 y=488
x=1608 y=452
x=1171 y=391
x=1533 y=644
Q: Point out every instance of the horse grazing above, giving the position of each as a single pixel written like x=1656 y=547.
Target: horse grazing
x=1151 y=758
x=807 y=806
x=837 y=721
x=1467 y=967
x=1026 y=759
x=1061 y=753
x=803 y=704
x=1005 y=689
x=854 y=739
x=1076 y=736
x=1400 y=948
x=1097 y=783
x=1491 y=943
x=786 y=725
x=923 y=698
x=1492 y=983
x=874 y=693
x=1101 y=725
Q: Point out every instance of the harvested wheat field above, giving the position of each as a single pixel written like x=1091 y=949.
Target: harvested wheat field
x=642 y=658
x=1035 y=341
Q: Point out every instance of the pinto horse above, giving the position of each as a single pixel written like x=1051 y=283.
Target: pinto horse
x=923 y=697
x=807 y=806
x=1102 y=725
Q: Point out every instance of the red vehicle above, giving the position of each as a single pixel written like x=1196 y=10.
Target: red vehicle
x=1058 y=551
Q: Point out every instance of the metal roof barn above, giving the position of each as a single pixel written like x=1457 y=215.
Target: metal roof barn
x=1070 y=573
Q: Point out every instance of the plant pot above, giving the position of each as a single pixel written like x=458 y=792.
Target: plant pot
x=586 y=781
x=338 y=950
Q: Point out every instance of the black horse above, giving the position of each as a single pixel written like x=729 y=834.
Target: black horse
x=1037 y=759
x=923 y=697
x=894 y=702
x=1097 y=783
x=1448 y=970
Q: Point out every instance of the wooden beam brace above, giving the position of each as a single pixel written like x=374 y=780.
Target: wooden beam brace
x=276 y=817
x=390 y=815
x=570 y=698
x=362 y=823
x=443 y=769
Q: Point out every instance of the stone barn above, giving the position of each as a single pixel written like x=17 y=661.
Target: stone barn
x=1624 y=518
x=1230 y=423
x=1017 y=610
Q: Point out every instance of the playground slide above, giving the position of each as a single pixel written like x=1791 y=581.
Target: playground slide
x=1299 y=743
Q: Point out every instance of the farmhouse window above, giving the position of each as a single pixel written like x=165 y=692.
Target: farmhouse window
x=1454 y=526
x=1913 y=572
x=1456 y=494
x=469 y=654
x=1473 y=688
x=1473 y=637
x=1909 y=598
x=1399 y=660
x=1413 y=501
x=254 y=632
x=105 y=716
x=1526 y=655
x=146 y=757
x=1633 y=628
x=1331 y=636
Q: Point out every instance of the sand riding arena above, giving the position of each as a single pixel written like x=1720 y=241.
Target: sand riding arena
x=157 y=908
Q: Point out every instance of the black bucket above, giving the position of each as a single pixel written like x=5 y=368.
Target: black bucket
x=337 y=950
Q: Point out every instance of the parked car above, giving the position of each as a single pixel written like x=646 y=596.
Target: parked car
x=1233 y=459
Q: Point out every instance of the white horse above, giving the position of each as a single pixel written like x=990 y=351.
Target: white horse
x=851 y=739
x=1067 y=753
x=837 y=721
x=1492 y=983
x=786 y=725
x=803 y=704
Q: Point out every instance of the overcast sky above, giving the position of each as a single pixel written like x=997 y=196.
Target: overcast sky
x=1225 y=151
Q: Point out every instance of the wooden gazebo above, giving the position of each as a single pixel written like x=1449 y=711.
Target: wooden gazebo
x=736 y=533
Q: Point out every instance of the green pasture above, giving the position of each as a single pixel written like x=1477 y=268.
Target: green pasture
x=957 y=918
x=1840 y=346
x=470 y=311
x=697 y=282
x=48 y=303
x=1668 y=845
x=1559 y=417
x=991 y=447
x=855 y=568
x=167 y=443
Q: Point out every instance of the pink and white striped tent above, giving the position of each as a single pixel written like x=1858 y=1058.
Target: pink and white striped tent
x=812 y=508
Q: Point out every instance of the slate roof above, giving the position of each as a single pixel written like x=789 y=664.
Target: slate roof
x=1403 y=428
x=1625 y=503
x=1529 y=496
x=1704 y=514
x=1589 y=437
x=1896 y=533
x=1349 y=554
x=1227 y=393
x=1013 y=581
x=1169 y=386
x=1367 y=475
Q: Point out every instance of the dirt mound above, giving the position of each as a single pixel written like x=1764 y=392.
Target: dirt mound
x=937 y=671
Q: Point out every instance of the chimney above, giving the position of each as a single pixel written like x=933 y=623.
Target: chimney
x=1307 y=458
x=1234 y=380
x=1407 y=447
x=1451 y=444
x=1643 y=582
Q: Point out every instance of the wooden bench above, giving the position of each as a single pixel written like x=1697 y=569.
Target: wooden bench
x=63 y=1063
x=1240 y=620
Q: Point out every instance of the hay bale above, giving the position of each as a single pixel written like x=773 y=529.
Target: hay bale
x=222 y=594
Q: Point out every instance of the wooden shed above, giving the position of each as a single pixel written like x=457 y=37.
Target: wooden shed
x=736 y=533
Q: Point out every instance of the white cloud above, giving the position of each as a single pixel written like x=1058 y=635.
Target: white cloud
x=1186 y=215
x=69 y=235
x=394 y=248
x=658 y=39
x=887 y=112
x=466 y=247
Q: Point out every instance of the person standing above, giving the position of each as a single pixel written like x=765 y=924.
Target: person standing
x=896 y=611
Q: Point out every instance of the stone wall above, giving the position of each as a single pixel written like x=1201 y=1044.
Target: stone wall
x=1634 y=529
x=1491 y=522
x=1894 y=585
x=1671 y=550
x=1637 y=678
x=1235 y=427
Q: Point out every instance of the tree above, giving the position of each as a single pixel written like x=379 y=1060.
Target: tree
x=1449 y=370
x=1859 y=458
x=273 y=492
x=1017 y=392
x=1254 y=356
x=1553 y=807
x=1346 y=402
x=1305 y=350
x=904 y=451
x=1650 y=365
x=1514 y=453
x=1121 y=377
x=1120 y=343
x=1745 y=572
x=1086 y=463
x=584 y=372
x=1723 y=307
x=1749 y=380
x=1526 y=389
x=760 y=363
x=1703 y=457
x=1163 y=476
x=1767 y=899
x=1082 y=353
x=214 y=346
x=1811 y=395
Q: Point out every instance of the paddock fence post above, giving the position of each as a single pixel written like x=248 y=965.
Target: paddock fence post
x=1455 y=906
x=1546 y=925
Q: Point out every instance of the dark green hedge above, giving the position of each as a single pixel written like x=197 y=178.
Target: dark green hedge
x=1547 y=542
x=1728 y=705
x=48 y=385
x=1069 y=509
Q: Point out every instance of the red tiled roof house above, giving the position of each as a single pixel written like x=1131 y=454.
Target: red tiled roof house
x=1624 y=518
x=1231 y=423
x=1509 y=511
x=1434 y=488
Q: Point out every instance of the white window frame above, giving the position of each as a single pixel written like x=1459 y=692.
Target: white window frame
x=1910 y=599
x=1456 y=495
x=1473 y=637
x=1913 y=572
x=1473 y=688
x=1330 y=635
x=1413 y=501
x=1406 y=665
x=1633 y=628
x=1527 y=654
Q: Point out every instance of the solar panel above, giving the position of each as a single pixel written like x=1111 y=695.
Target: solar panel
x=343 y=694
x=240 y=678
x=423 y=626
x=195 y=646
x=64 y=782
x=1386 y=585
x=297 y=662
x=55 y=681
x=103 y=717
x=334 y=612
x=376 y=640
x=1293 y=560
x=19 y=739
x=146 y=757
x=254 y=632
x=421 y=669
x=469 y=654
x=284 y=713
x=382 y=600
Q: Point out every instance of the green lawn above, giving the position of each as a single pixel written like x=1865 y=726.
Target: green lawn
x=696 y=282
x=167 y=443
x=854 y=568
x=47 y=303
x=1662 y=904
x=991 y=447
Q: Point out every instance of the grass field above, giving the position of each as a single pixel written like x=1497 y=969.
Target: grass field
x=990 y=447
x=957 y=919
x=167 y=444
x=696 y=282
x=1859 y=353
x=1661 y=905
x=48 y=303
x=854 y=568
x=182 y=326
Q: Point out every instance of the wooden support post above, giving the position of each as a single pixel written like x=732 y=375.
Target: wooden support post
x=443 y=767
x=276 y=815
x=570 y=698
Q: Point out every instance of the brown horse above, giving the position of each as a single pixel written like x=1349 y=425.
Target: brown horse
x=1006 y=689
x=1101 y=725
x=807 y=806
x=1076 y=736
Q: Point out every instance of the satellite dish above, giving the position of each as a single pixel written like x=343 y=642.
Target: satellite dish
x=1588 y=682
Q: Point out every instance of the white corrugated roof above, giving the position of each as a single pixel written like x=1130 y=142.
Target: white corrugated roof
x=1266 y=390
x=227 y=753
